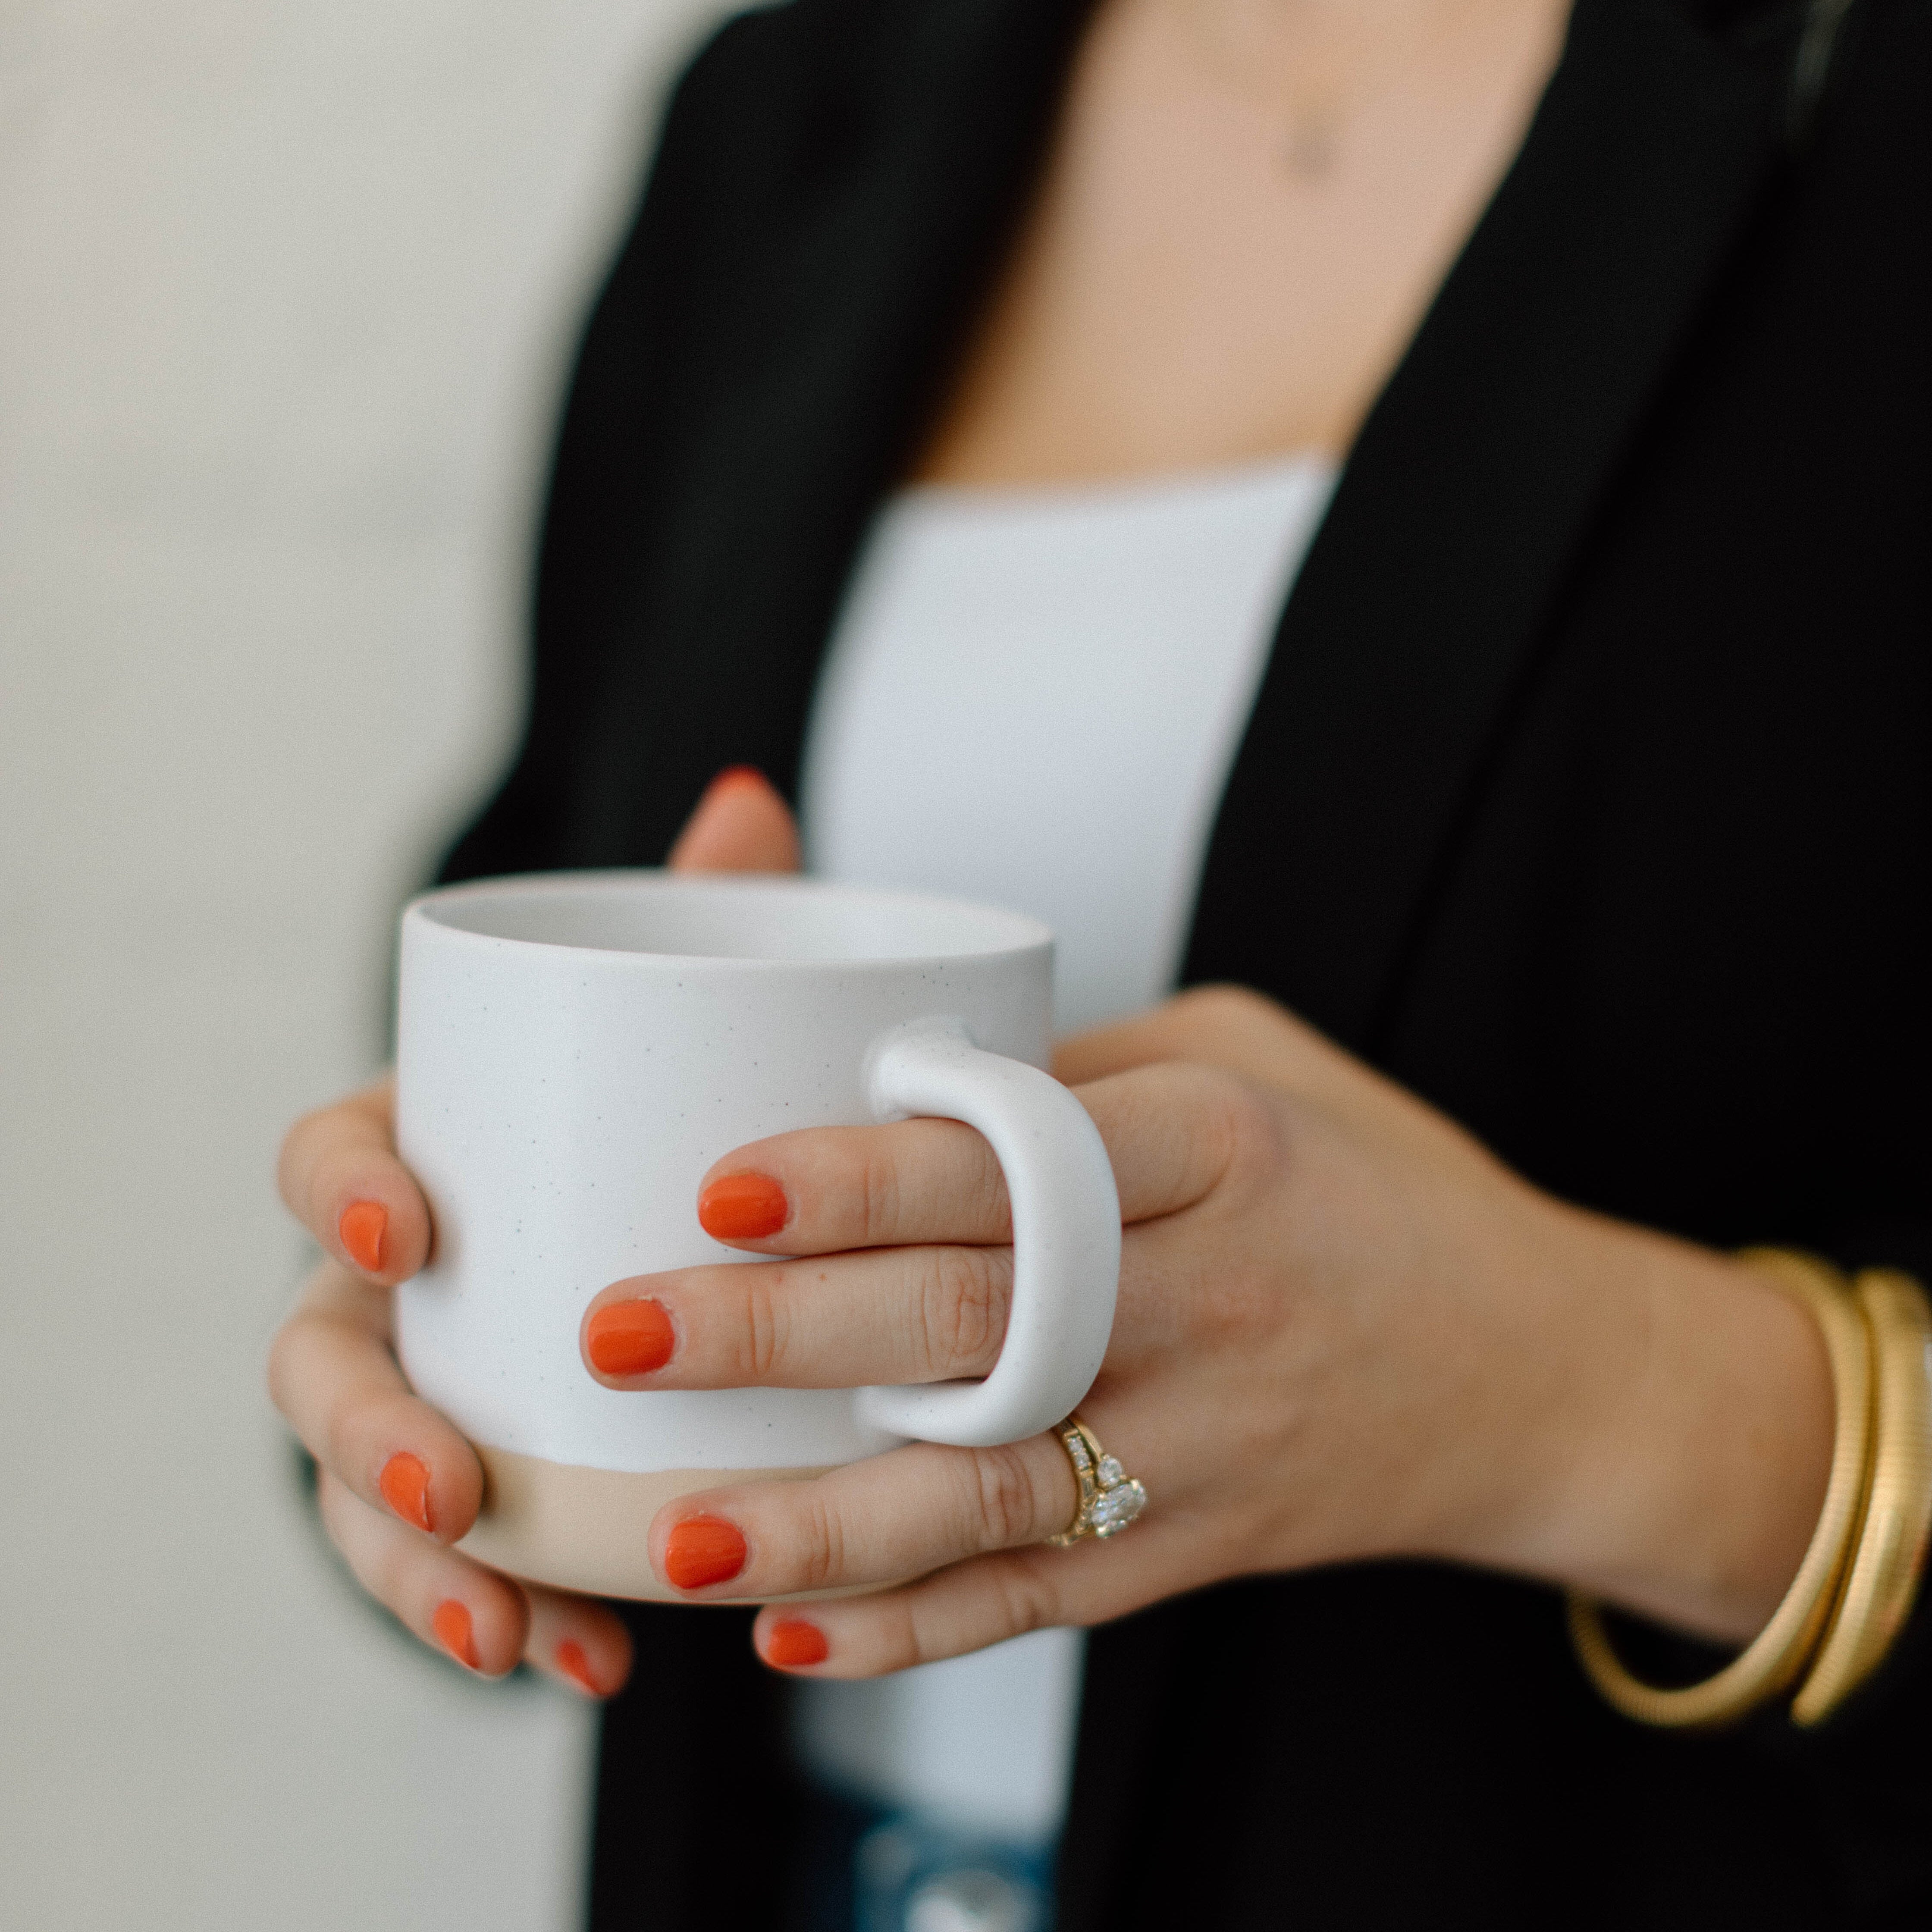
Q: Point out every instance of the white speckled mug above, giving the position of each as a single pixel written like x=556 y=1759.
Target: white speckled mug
x=575 y=1050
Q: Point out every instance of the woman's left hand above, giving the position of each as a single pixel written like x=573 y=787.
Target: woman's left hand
x=1345 y=1330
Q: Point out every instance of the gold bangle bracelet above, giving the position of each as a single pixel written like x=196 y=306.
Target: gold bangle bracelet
x=1882 y=1577
x=1775 y=1657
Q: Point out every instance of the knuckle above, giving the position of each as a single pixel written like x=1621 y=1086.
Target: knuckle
x=879 y=1209
x=901 y=1644
x=338 y=1428
x=326 y=1143
x=985 y=1199
x=1002 y=1502
x=1029 y=1600
x=821 y=1560
x=1234 y=1126
x=1223 y=1006
x=764 y=1342
x=962 y=1311
x=1247 y=1125
x=1213 y=1001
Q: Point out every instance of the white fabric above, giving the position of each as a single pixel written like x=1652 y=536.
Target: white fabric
x=1033 y=698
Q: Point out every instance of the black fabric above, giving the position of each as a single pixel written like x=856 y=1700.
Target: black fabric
x=1587 y=793
x=699 y=1814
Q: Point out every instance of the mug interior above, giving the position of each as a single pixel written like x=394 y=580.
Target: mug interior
x=778 y=919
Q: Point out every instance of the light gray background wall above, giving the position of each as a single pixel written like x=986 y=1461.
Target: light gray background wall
x=284 y=295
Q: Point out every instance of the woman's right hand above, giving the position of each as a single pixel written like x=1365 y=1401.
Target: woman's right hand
x=397 y=1484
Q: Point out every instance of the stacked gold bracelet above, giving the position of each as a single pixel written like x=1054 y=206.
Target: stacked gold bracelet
x=1856 y=1584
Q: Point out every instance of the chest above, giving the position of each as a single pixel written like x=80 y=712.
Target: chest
x=1244 y=213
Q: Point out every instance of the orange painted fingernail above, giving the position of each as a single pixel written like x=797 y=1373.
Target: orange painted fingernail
x=454 y=1632
x=735 y=777
x=574 y=1665
x=790 y=1643
x=405 y=1486
x=628 y=1338
x=704 y=1549
x=363 y=1227
x=742 y=1208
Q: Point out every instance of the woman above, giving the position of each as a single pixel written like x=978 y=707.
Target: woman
x=1578 y=798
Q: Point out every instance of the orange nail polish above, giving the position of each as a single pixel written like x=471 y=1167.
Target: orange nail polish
x=792 y=1643
x=742 y=1208
x=574 y=1665
x=735 y=777
x=454 y=1632
x=628 y=1338
x=363 y=1227
x=405 y=1486
x=704 y=1549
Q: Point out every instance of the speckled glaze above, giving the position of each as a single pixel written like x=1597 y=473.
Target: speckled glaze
x=574 y=1051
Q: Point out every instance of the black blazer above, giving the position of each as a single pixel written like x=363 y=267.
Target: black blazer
x=1587 y=793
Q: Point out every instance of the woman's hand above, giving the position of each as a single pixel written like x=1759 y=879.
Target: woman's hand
x=397 y=1484
x=1345 y=1330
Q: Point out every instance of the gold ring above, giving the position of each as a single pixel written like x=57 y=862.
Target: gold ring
x=1110 y=1498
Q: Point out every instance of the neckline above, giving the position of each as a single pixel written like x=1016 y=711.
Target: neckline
x=1155 y=488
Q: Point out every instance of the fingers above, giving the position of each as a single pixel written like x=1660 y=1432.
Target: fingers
x=339 y=1176
x=332 y=1373
x=1170 y=1133
x=1229 y=1027
x=879 y=1521
x=894 y=1315
x=824 y=1189
x=397 y=1484
x=1245 y=1033
x=741 y=825
x=477 y=1617
x=488 y=1623
x=929 y=1314
x=903 y=1283
x=578 y=1641
x=973 y=1604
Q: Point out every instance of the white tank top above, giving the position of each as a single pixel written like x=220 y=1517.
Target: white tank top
x=1033 y=697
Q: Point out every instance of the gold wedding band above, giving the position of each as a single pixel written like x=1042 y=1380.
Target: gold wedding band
x=1110 y=1498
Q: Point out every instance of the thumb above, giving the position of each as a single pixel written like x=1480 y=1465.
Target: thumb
x=741 y=825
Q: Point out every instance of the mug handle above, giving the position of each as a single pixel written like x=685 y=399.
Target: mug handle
x=1066 y=1236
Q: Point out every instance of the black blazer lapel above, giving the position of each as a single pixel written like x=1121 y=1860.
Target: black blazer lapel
x=1418 y=610
x=837 y=315
x=1463 y=504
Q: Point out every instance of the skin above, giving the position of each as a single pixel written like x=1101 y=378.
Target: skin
x=1180 y=294
x=1345 y=1330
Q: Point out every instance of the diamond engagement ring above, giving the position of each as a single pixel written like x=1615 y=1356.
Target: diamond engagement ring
x=1110 y=1498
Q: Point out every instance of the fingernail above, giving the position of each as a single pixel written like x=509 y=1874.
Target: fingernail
x=454 y=1632
x=704 y=1549
x=574 y=1665
x=628 y=1338
x=790 y=1643
x=362 y=1227
x=405 y=1485
x=742 y=1208
x=734 y=778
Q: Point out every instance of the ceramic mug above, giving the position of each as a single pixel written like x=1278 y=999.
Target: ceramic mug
x=574 y=1050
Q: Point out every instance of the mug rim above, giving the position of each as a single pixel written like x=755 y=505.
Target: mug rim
x=1018 y=932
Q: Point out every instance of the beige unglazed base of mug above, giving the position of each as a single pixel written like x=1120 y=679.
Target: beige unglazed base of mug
x=585 y=1529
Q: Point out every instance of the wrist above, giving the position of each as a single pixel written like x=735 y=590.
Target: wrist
x=1690 y=1479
